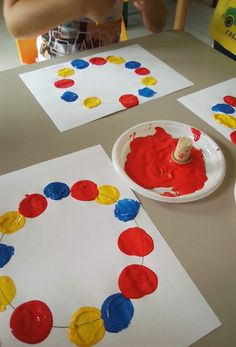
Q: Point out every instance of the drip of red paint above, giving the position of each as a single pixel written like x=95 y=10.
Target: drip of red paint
x=149 y=164
x=129 y=100
x=97 y=61
x=33 y=205
x=135 y=241
x=84 y=190
x=136 y=281
x=230 y=100
x=31 y=322
x=142 y=71
x=197 y=134
x=233 y=137
x=65 y=83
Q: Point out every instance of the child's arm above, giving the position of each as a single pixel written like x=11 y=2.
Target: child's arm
x=28 y=18
x=153 y=13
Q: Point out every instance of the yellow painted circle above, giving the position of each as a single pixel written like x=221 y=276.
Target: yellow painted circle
x=11 y=221
x=107 y=195
x=226 y=120
x=149 y=81
x=92 y=101
x=65 y=72
x=7 y=292
x=86 y=327
x=115 y=60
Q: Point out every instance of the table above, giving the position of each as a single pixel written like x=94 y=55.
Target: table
x=202 y=234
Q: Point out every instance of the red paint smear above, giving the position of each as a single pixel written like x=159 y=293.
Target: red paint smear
x=65 y=83
x=136 y=281
x=129 y=100
x=135 y=241
x=31 y=322
x=97 y=61
x=33 y=205
x=149 y=164
x=84 y=190
x=230 y=100
x=197 y=134
x=171 y=195
x=142 y=71
x=233 y=137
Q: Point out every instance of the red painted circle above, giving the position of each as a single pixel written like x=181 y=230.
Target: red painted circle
x=233 y=137
x=129 y=100
x=31 y=322
x=65 y=83
x=33 y=205
x=84 y=190
x=135 y=241
x=230 y=100
x=136 y=281
x=142 y=71
x=97 y=61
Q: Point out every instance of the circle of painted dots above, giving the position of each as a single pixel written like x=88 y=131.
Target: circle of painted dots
x=223 y=114
x=32 y=321
x=127 y=100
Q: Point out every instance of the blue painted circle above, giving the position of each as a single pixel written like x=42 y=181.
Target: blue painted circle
x=132 y=64
x=56 y=190
x=117 y=312
x=69 y=96
x=126 y=209
x=6 y=252
x=146 y=92
x=79 y=64
x=224 y=108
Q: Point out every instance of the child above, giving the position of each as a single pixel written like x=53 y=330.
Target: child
x=223 y=27
x=87 y=23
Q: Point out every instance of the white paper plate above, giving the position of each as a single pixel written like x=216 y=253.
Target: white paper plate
x=213 y=156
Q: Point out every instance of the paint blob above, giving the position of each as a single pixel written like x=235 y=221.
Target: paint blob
x=117 y=312
x=65 y=72
x=142 y=71
x=79 y=64
x=146 y=92
x=107 y=195
x=6 y=252
x=84 y=190
x=223 y=108
x=149 y=164
x=86 y=327
x=132 y=64
x=97 y=61
x=7 y=292
x=11 y=221
x=226 y=120
x=230 y=100
x=149 y=81
x=136 y=281
x=92 y=102
x=135 y=241
x=129 y=100
x=56 y=190
x=65 y=83
x=69 y=96
x=233 y=137
x=31 y=322
x=196 y=133
x=126 y=209
x=33 y=205
x=115 y=60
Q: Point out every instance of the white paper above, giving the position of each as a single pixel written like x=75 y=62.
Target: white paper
x=68 y=257
x=108 y=82
x=201 y=103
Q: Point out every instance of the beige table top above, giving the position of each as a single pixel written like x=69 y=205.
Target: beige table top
x=202 y=234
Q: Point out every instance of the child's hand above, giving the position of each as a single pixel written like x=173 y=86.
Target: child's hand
x=99 y=10
x=144 y=5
